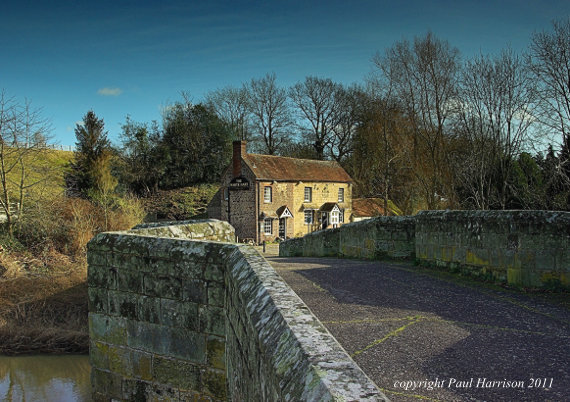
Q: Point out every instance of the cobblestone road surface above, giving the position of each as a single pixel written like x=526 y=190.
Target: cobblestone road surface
x=457 y=340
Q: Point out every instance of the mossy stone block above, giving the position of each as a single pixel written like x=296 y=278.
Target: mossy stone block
x=98 y=355
x=141 y=364
x=212 y=320
x=177 y=373
x=97 y=300
x=216 y=352
x=123 y=304
x=194 y=290
x=214 y=383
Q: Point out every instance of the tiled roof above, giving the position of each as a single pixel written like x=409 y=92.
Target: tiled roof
x=368 y=206
x=292 y=169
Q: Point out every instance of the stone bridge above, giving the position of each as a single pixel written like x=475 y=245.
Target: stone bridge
x=178 y=312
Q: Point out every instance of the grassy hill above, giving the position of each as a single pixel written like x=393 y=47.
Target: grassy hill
x=43 y=171
x=47 y=168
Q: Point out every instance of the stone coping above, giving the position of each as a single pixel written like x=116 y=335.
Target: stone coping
x=307 y=360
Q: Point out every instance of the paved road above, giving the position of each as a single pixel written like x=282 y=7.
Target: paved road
x=401 y=323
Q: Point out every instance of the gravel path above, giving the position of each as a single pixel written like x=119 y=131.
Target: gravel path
x=420 y=336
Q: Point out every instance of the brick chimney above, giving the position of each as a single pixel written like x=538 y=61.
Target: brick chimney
x=239 y=151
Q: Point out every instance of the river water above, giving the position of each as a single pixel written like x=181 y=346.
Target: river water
x=45 y=378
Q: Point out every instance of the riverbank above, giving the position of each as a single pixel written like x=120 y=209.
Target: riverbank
x=44 y=313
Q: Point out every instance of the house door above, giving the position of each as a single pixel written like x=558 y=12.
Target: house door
x=324 y=220
x=282 y=227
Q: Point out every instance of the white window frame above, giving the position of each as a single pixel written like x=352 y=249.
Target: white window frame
x=267 y=194
x=311 y=221
x=341 y=216
x=308 y=196
x=341 y=194
x=268 y=224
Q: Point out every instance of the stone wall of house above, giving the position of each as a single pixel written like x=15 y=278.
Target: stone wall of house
x=523 y=248
x=242 y=205
x=382 y=237
x=291 y=194
x=321 y=193
x=281 y=195
x=172 y=318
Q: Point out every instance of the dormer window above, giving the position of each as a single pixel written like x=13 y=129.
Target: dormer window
x=308 y=194
x=267 y=196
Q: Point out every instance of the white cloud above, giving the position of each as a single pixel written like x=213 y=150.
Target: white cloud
x=110 y=91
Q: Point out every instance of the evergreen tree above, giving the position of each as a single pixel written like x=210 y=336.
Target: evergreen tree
x=91 y=169
x=196 y=144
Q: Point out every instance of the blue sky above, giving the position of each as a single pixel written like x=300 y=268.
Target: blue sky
x=122 y=58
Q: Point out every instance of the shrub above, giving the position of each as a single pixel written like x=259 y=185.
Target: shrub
x=67 y=224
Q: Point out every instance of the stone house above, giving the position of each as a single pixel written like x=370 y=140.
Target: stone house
x=267 y=197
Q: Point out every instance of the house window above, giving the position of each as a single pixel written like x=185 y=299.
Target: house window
x=268 y=226
x=308 y=194
x=308 y=216
x=267 y=194
x=334 y=217
x=341 y=216
x=341 y=195
x=226 y=193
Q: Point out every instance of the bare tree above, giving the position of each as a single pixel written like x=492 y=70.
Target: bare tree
x=349 y=108
x=232 y=107
x=270 y=112
x=317 y=100
x=424 y=78
x=550 y=63
x=382 y=143
x=496 y=99
x=23 y=135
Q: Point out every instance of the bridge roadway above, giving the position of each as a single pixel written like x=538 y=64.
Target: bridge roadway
x=464 y=340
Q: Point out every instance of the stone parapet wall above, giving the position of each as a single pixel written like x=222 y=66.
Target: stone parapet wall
x=522 y=248
x=382 y=237
x=156 y=318
x=525 y=248
x=178 y=319
x=277 y=349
